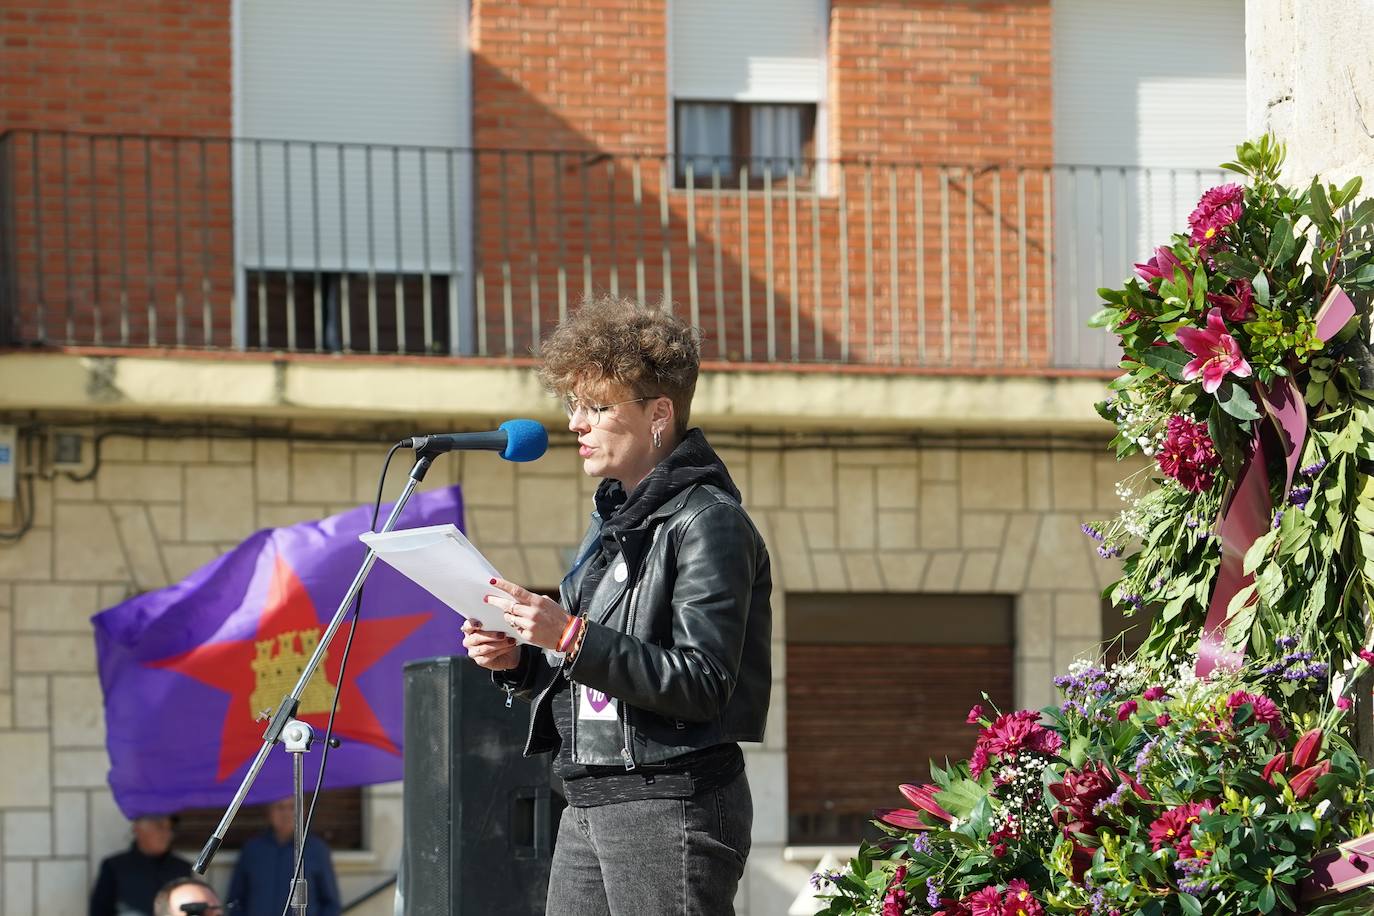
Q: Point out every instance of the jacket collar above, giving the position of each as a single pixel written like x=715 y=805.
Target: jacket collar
x=634 y=545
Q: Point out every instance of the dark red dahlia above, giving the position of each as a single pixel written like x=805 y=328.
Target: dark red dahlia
x=1266 y=711
x=1080 y=792
x=1219 y=207
x=1010 y=733
x=1188 y=454
x=1174 y=828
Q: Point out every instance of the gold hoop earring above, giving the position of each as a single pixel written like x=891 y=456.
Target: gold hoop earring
x=658 y=439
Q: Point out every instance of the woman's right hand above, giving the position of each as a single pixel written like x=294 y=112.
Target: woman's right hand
x=493 y=651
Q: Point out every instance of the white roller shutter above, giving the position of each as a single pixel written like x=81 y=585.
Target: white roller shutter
x=1151 y=84
x=1154 y=94
x=749 y=50
x=389 y=79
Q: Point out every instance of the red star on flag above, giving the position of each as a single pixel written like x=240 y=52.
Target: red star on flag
x=287 y=631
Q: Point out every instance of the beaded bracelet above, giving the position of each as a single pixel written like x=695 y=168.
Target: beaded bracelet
x=576 y=647
x=570 y=633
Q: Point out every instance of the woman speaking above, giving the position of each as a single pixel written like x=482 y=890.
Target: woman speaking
x=655 y=661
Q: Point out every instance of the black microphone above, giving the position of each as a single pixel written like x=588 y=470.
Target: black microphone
x=516 y=440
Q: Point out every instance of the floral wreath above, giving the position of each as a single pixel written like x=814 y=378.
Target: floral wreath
x=1213 y=773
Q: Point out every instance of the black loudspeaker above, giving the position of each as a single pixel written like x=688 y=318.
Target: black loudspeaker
x=480 y=819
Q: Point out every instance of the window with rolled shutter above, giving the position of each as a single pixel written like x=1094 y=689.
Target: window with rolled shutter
x=748 y=86
x=877 y=686
x=338 y=821
x=351 y=116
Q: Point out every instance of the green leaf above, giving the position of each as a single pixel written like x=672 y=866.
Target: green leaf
x=1227 y=440
x=1364 y=276
x=1364 y=212
x=1105 y=317
x=1279 y=241
x=1347 y=192
x=1232 y=265
x=1241 y=614
x=1259 y=550
x=1189 y=904
x=1321 y=207
x=1295 y=530
x=960 y=797
x=1260 y=284
x=1344 y=442
x=1170 y=359
x=1234 y=400
x=1364 y=516
x=1267 y=901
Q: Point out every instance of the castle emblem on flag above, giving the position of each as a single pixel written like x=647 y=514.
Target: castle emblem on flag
x=275 y=673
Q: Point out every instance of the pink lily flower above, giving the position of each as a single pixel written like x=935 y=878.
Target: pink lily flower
x=1306 y=750
x=1162 y=267
x=1216 y=352
x=905 y=818
x=1239 y=305
x=923 y=797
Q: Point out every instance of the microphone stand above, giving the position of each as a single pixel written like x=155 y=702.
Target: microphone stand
x=298 y=735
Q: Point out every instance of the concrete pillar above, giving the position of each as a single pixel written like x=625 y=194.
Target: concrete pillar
x=1310 y=80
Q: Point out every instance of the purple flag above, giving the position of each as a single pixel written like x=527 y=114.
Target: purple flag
x=186 y=669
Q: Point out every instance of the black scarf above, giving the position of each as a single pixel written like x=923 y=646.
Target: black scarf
x=693 y=462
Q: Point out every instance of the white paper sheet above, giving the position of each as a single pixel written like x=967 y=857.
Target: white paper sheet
x=442 y=561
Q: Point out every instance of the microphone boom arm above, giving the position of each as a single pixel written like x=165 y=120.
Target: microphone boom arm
x=286 y=709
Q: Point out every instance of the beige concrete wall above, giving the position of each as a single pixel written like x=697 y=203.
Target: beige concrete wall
x=1310 y=79
x=899 y=519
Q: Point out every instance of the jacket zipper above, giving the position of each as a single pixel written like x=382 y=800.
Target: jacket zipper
x=529 y=734
x=626 y=753
x=573 y=700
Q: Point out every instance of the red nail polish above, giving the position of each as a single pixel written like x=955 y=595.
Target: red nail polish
x=491 y=582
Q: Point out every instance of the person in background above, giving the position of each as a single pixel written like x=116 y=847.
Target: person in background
x=128 y=882
x=262 y=877
x=188 y=896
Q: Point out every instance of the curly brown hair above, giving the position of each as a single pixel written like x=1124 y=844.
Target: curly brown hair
x=610 y=339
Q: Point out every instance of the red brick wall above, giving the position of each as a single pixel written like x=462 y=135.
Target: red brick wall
x=570 y=74
x=143 y=67
x=913 y=85
x=942 y=81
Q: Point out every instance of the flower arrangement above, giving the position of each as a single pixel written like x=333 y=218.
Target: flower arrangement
x=1246 y=382
x=1148 y=791
x=1213 y=773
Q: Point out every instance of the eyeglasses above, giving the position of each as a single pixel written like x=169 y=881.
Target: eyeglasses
x=593 y=412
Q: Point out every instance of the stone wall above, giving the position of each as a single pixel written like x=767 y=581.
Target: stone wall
x=836 y=518
x=1308 y=80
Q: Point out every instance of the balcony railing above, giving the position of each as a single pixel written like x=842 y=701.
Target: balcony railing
x=143 y=241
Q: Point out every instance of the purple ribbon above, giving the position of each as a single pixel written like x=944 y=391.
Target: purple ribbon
x=1246 y=511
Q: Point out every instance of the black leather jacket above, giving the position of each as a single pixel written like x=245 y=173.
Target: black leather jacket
x=679 y=635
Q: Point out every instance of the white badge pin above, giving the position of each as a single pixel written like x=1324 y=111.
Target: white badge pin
x=596 y=705
x=621 y=573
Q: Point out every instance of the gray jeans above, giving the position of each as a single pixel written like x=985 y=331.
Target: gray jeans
x=658 y=857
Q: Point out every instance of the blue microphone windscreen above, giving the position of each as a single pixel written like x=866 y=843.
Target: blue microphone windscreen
x=526 y=440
